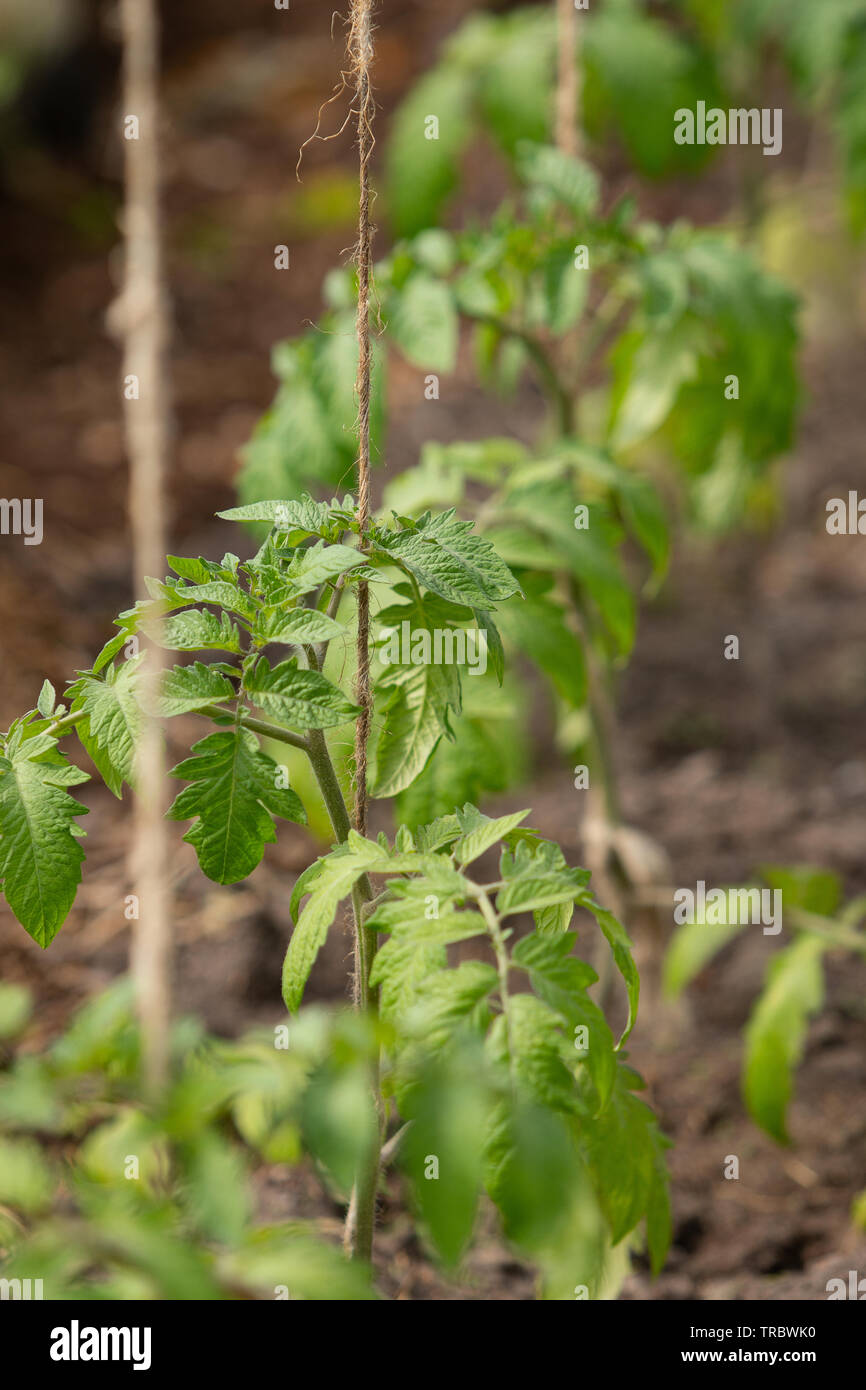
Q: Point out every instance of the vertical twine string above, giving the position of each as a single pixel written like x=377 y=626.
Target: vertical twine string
x=360 y=1217
x=568 y=84
x=143 y=323
x=360 y=50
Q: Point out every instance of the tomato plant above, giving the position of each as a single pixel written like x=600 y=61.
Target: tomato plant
x=106 y=1197
x=667 y=358
x=494 y=79
x=485 y=1059
x=823 y=51
x=637 y=65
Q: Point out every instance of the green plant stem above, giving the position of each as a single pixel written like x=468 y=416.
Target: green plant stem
x=556 y=387
x=564 y=403
x=316 y=748
x=361 y=1216
x=494 y=931
x=605 y=318
x=599 y=742
x=600 y=707
x=838 y=936
x=258 y=726
x=317 y=751
x=331 y=611
x=361 y=1219
x=333 y=607
x=62 y=726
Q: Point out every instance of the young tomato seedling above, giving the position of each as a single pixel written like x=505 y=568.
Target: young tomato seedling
x=502 y=1066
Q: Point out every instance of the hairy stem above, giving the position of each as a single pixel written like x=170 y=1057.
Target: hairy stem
x=320 y=758
x=494 y=931
x=600 y=706
x=331 y=611
x=316 y=749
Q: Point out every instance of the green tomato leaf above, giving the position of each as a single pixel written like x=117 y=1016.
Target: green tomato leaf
x=113 y=723
x=235 y=790
x=298 y=626
x=692 y=946
x=333 y=880
x=539 y=629
x=650 y=372
x=623 y=1145
x=572 y=182
x=187 y=688
x=40 y=857
x=562 y=980
x=776 y=1032
x=420 y=171
x=16 y=1006
x=26 y=1181
x=314 y=564
x=47 y=699
x=305 y=516
x=412 y=715
x=422 y=319
x=448 y=558
x=480 y=833
x=303 y=699
x=218 y=591
x=448 y=1116
x=617 y=938
x=195 y=630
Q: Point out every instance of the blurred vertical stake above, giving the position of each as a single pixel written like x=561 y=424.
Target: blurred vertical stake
x=567 y=79
x=145 y=333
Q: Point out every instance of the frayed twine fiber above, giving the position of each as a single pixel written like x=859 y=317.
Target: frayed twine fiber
x=360 y=50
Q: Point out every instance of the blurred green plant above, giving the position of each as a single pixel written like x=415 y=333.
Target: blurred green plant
x=639 y=63
x=793 y=991
x=496 y=76
x=495 y=1081
x=103 y=1196
x=306 y=439
x=823 y=49
x=652 y=347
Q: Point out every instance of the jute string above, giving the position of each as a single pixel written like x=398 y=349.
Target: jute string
x=360 y=50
